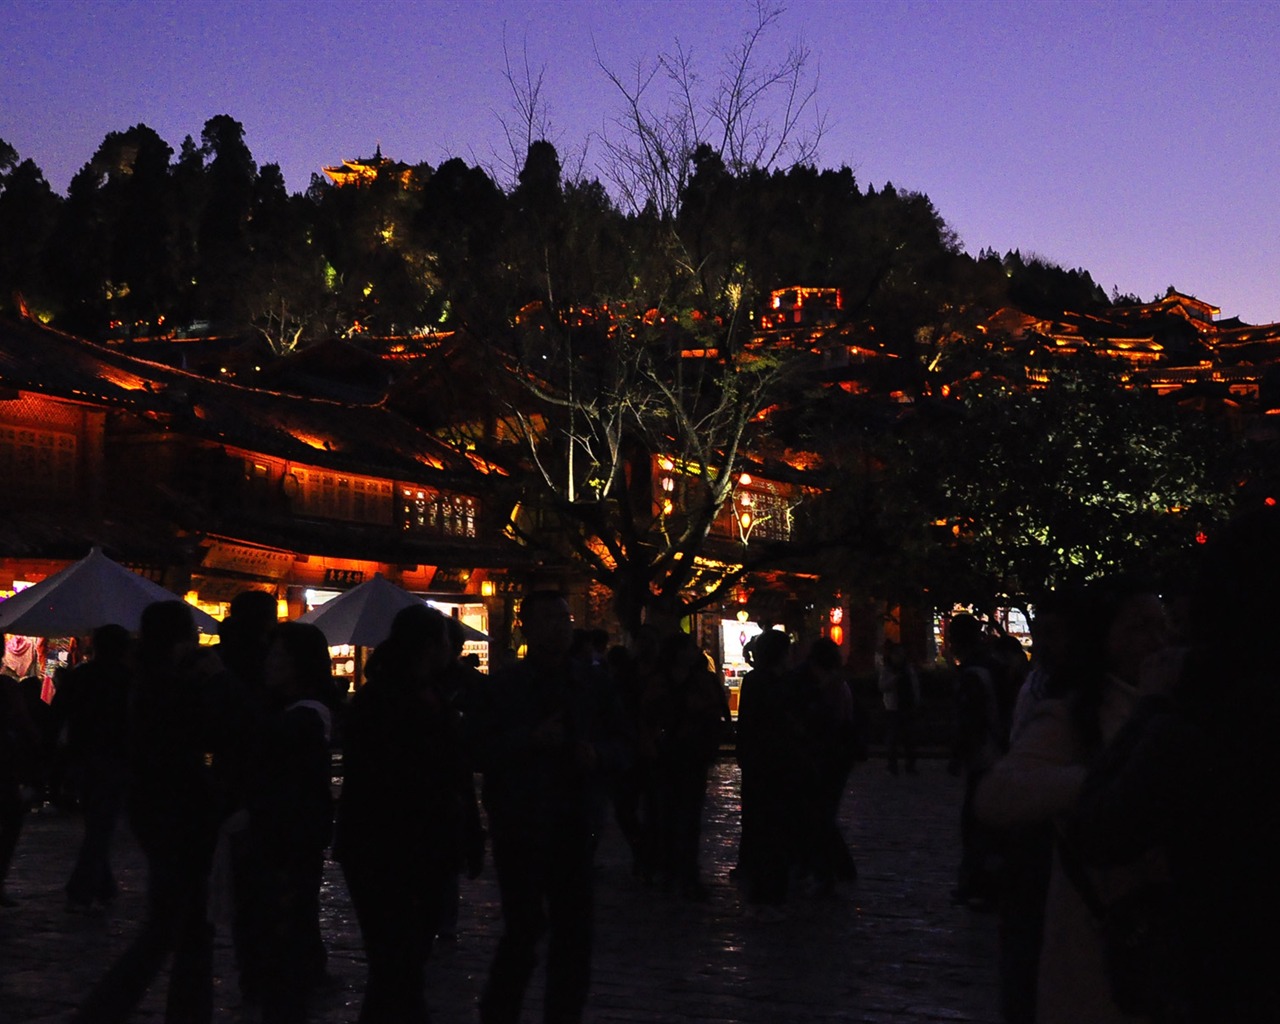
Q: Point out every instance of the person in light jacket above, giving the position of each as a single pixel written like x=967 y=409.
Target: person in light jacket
x=1119 y=626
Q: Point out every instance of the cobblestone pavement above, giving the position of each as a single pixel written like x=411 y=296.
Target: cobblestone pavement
x=889 y=948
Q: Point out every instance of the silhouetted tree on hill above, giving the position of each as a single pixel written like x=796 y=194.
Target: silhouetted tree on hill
x=115 y=248
x=28 y=216
x=1043 y=288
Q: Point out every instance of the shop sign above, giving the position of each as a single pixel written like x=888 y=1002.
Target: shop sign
x=251 y=561
x=343 y=577
x=451 y=579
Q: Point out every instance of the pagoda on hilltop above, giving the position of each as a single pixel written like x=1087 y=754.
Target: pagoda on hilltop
x=365 y=171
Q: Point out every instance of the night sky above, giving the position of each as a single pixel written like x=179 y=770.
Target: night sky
x=1136 y=140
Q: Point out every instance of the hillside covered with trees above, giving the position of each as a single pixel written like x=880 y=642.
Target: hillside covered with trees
x=592 y=328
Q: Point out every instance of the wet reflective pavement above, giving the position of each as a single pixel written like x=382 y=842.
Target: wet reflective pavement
x=889 y=948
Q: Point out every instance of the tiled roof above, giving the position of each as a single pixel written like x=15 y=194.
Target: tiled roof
x=367 y=439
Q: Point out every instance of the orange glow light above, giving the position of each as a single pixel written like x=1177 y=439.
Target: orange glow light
x=312 y=440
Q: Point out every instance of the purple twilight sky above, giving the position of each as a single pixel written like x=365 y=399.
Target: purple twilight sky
x=1135 y=139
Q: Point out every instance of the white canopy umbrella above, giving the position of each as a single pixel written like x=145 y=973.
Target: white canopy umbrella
x=92 y=592
x=362 y=616
x=468 y=632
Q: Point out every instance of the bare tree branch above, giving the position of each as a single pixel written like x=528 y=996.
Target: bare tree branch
x=755 y=115
x=532 y=120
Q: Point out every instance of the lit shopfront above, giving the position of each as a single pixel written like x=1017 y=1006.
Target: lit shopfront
x=734 y=636
x=348 y=659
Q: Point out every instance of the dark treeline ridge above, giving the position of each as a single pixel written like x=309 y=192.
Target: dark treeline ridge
x=149 y=242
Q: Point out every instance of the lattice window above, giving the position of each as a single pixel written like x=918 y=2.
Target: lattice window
x=43 y=413
x=759 y=513
x=425 y=511
x=38 y=462
x=419 y=512
x=327 y=495
x=772 y=517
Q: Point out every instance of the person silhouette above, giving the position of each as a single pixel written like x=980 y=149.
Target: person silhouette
x=19 y=742
x=825 y=707
x=899 y=685
x=549 y=733
x=184 y=725
x=1191 y=780
x=92 y=702
x=242 y=646
x=1117 y=625
x=981 y=737
x=774 y=768
x=290 y=819
x=401 y=811
x=456 y=685
x=692 y=716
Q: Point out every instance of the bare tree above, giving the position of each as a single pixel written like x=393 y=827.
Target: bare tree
x=639 y=395
x=636 y=452
x=752 y=114
x=529 y=118
x=280 y=329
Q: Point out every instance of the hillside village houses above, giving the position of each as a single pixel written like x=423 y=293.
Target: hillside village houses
x=210 y=487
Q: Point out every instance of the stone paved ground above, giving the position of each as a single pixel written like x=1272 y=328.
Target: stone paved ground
x=890 y=948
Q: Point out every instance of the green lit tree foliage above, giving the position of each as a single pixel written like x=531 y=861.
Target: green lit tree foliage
x=380 y=268
x=1012 y=486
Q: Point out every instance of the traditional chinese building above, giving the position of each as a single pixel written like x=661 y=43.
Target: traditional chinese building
x=324 y=477
x=211 y=487
x=1171 y=344
x=365 y=171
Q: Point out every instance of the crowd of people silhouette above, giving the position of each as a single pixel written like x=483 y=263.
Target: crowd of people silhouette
x=1118 y=779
